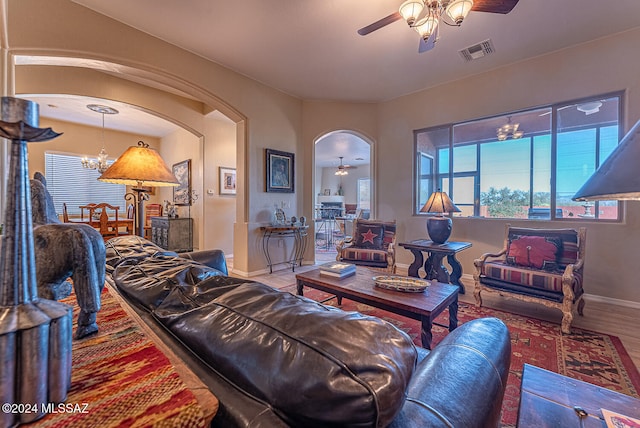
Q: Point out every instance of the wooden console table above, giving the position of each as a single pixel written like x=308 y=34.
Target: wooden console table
x=299 y=234
x=548 y=399
x=433 y=267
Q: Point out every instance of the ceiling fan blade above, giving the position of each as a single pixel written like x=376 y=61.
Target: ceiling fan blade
x=430 y=43
x=380 y=23
x=494 y=6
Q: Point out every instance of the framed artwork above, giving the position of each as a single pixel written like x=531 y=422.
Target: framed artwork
x=182 y=193
x=227 y=181
x=280 y=171
x=327 y=192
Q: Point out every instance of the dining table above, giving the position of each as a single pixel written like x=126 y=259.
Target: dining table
x=128 y=223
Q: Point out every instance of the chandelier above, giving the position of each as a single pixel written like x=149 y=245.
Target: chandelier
x=101 y=162
x=509 y=130
x=425 y=15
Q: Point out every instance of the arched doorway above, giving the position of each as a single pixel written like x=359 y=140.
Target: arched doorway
x=208 y=136
x=343 y=187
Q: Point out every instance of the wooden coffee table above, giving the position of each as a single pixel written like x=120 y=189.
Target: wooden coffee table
x=424 y=307
x=549 y=399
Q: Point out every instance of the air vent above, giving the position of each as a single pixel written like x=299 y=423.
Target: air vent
x=478 y=50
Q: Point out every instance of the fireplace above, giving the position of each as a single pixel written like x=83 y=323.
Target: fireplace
x=331 y=210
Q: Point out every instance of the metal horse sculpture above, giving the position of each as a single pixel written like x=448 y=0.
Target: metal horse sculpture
x=66 y=250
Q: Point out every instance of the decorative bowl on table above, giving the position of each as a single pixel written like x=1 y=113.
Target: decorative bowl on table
x=401 y=283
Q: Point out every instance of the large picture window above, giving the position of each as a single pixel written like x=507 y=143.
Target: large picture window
x=528 y=169
x=68 y=182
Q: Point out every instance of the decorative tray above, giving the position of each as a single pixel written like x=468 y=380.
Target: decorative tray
x=401 y=283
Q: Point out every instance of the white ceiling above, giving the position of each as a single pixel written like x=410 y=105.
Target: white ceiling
x=311 y=49
x=70 y=108
x=354 y=150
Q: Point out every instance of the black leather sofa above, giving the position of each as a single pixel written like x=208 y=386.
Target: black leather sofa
x=274 y=359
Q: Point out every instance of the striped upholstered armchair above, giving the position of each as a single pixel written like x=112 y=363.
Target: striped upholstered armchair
x=372 y=244
x=543 y=266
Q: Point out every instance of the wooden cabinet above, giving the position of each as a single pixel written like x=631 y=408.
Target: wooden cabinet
x=174 y=234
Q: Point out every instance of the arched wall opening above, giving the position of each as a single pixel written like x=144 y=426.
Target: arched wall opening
x=206 y=135
x=344 y=177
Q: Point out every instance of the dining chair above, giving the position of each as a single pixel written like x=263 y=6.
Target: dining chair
x=65 y=213
x=150 y=210
x=108 y=223
x=90 y=210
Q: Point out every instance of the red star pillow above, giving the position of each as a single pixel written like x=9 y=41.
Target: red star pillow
x=369 y=236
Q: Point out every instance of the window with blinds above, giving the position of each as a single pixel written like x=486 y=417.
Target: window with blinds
x=68 y=182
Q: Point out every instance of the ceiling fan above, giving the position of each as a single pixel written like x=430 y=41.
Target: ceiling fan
x=342 y=168
x=588 y=108
x=425 y=15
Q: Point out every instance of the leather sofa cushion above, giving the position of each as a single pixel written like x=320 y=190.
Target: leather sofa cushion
x=315 y=365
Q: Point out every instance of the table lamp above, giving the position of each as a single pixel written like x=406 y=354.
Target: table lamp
x=140 y=166
x=439 y=226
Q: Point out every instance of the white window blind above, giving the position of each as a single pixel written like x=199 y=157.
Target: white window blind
x=68 y=182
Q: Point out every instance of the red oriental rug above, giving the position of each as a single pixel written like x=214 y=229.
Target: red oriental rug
x=119 y=378
x=585 y=355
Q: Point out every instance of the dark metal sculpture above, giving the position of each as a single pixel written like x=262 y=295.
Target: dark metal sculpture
x=66 y=250
x=35 y=333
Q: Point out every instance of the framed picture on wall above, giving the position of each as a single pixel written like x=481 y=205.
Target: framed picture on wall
x=181 y=193
x=227 y=181
x=280 y=171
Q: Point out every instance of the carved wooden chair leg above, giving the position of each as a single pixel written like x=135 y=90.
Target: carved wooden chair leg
x=476 y=295
x=581 y=306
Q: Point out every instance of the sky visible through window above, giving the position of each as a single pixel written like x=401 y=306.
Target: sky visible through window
x=522 y=177
x=507 y=163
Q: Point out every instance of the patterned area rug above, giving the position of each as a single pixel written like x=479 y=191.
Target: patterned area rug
x=123 y=378
x=585 y=355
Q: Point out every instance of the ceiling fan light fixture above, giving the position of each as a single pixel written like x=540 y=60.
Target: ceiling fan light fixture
x=410 y=10
x=425 y=27
x=589 y=108
x=341 y=168
x=458 y=10
x=509 y=129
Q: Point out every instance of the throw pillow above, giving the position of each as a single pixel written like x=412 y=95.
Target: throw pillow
x=370 y=236
x=538 y=252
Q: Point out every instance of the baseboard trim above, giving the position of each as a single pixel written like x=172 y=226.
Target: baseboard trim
x=612 y=301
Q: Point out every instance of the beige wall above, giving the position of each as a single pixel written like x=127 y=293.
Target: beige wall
x=81 y=140
x=590 y=69
x=594 y=68
x=266 y=118
x=220 y=210
x=349 y=183
x=177 y=147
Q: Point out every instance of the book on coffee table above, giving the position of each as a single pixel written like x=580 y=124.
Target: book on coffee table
x=337 y=269
x=338 y=275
